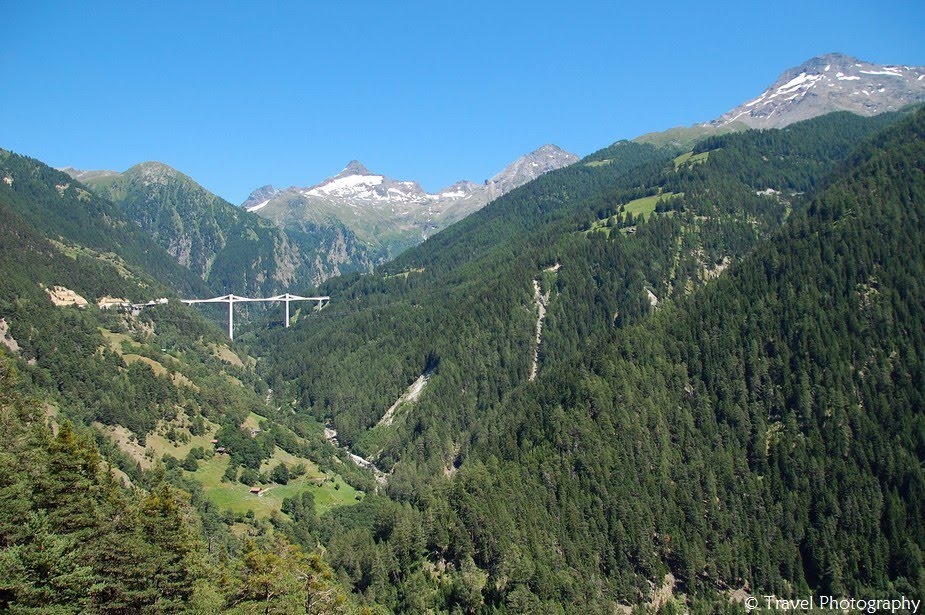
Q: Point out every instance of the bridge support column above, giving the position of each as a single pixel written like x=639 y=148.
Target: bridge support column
x=230 y=318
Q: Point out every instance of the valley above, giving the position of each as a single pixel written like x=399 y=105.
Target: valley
x=678 y=373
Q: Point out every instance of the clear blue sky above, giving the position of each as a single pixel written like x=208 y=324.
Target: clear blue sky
x=240 y=94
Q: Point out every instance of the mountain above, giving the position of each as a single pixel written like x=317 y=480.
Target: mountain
x=232 y=250
x=63 y=253
x=659 y=379
x=111 y=415
x=85 y=225
x=387 y=215
x=581 y=385
x=832 y=82
x=527 y=168
x=259 y=197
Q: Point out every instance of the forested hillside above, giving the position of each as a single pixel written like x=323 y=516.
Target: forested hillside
x=733 y=404
x=133 y=435
x=60 y=208
x=765 y=432
x=74 y=540
x=656 y=377
x=64 y=252
x=627 y=221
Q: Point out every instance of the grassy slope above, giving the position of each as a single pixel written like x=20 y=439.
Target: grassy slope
x=329 y=489
x=644 y=206
x=686 y=136
x=690 y=158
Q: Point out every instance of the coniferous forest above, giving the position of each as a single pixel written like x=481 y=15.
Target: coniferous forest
x=654 y=380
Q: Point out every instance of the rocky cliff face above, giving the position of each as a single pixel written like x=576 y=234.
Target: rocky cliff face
x=832 y=82
x=232 y=250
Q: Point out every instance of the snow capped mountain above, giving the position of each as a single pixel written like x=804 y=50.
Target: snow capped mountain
x=392 y=215
x=832 y=82
x=358 y=182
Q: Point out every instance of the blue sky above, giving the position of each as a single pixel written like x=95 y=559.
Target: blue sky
x=241 y=94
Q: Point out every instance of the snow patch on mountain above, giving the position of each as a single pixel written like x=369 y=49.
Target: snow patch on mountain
x=892 y=71
x=259 y=198
x=351 y=185
x=801 y=82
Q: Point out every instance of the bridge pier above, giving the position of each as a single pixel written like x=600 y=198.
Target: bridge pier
x=230 y=317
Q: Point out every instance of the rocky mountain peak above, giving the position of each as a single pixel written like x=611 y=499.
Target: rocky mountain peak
x=551 y=149
x=818 y=63
x=259 y=198
x=153 y=172
x=830 y=82
x=529 y=167
x=153 y=166
x=354 y=167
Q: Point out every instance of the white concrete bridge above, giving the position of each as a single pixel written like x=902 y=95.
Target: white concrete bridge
x=231 y=299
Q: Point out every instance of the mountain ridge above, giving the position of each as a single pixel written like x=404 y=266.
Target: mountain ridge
x=391 y=215
x=231 y=249
x=506 y=179
x=350 y=221
x=826 y=83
